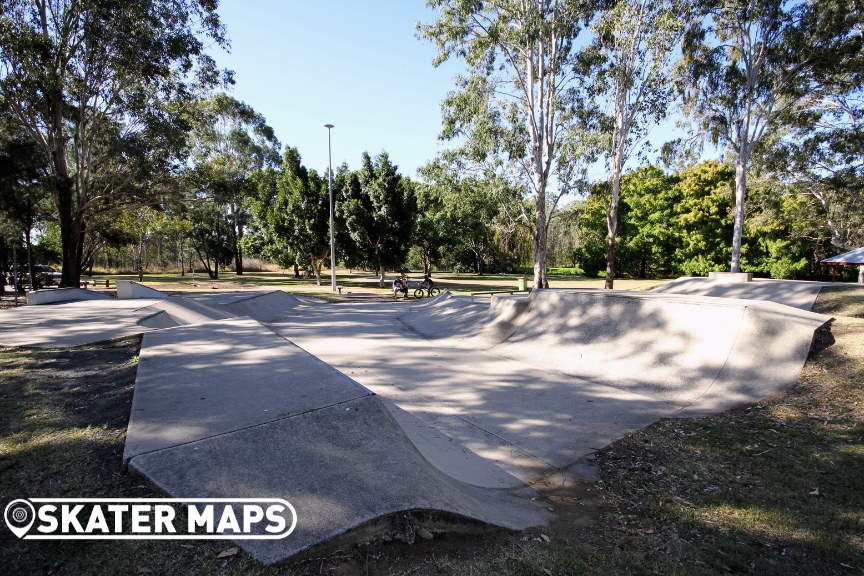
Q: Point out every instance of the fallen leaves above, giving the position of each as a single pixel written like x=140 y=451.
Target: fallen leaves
x=228 y=553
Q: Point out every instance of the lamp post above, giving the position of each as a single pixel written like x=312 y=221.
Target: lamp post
x=330 y=188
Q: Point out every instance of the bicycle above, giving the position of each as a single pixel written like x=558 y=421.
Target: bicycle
x=430 y=291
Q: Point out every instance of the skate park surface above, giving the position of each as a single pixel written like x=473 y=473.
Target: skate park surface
x=369 y=415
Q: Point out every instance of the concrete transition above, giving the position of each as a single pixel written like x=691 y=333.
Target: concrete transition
x=795 y=293
x=54 y=295
x=130 y=289
x=321 y=441
x=730 y=277
x=377 y=419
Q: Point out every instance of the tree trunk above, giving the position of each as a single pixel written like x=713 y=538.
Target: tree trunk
x=33 y=283
x=612 y=225
x=4 y=265
x=70 y=231
x=612 y=210
x=740 y=194
x=540 y=249
x=238 y=253
x=610 y=263
x=316 y=268
x=860 y=274
x=381 y=271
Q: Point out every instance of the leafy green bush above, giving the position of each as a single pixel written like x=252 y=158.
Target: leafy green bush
x=558 y=271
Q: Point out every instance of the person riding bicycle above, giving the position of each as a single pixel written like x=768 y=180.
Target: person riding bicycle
x=428 y=281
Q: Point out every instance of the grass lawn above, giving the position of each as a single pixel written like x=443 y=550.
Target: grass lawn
x=364 y=282
x=772 y=488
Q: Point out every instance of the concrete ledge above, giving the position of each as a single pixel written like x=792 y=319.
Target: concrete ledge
x=730 y=277
x=53 y=295
x=129 y=289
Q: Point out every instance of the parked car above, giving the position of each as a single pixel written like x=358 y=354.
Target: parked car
x=48 y=275
x=45 y=276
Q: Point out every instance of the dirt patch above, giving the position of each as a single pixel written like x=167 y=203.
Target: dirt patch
x=8 y=300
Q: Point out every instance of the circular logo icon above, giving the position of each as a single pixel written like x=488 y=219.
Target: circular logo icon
x=19 y=515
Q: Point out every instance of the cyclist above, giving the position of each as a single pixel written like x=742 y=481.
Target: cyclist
x=428 y=281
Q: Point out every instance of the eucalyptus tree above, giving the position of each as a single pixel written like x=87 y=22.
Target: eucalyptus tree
x=752 y=70
x=636 y=40
x=100 y=85
x=519 y=109
x=230 y=143
x=210 y=237
x=824 y=159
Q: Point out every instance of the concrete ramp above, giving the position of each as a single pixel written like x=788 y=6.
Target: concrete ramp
x=769 y=352
x=672 y=348
x=228 y=409
x=129 y=289
x=795 y=293
x=181 y=311
x=466 y=324
x=71 y=323
x=266 y=307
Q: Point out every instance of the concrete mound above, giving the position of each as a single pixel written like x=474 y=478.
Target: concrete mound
x=71 y=323
x=182 y=311
x=266 y=307
x=229 y=409
x=128 y=289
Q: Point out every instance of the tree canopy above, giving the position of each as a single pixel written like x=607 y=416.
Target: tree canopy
x=101 y=85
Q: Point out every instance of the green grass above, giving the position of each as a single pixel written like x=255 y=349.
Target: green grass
x=367 y=282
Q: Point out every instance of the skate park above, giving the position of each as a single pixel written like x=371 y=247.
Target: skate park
x=445 y=408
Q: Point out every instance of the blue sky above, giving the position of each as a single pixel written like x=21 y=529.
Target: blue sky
x=355 y=64
x=351 y=63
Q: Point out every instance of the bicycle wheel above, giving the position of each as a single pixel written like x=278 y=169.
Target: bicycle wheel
x=418 y=293
x=434 y=291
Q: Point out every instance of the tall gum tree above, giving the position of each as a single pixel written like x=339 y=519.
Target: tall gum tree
x=97 y=83
x=519 y=109
x=749 y=72
x=230 y=144
x=824 y=158
x=636 y=40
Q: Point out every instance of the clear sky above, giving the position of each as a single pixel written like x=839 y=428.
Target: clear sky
x=352 y=63
x=355 y=64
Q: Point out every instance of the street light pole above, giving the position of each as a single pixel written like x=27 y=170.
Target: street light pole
x=330 y=188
